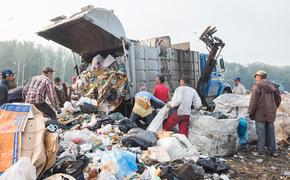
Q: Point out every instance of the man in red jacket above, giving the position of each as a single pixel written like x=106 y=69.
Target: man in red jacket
x=265 y=100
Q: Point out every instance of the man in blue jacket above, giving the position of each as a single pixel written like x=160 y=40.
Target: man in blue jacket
x=6 y=76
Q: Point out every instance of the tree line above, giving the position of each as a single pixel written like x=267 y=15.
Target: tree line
x=277 y=74
x=27 y=59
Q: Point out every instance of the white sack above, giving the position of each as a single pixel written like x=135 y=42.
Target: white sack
x=214 y=137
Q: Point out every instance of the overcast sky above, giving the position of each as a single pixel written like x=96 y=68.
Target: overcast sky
x=253 y=30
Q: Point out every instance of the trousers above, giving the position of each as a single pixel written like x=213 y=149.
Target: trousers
x=174 y=119
x=46 y=109
x=266 y=137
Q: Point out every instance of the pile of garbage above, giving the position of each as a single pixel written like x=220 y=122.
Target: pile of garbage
x=113 y=147
x=105 y=82
x=100 y=146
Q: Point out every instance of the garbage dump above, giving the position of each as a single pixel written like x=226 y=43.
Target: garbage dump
x=100 y=146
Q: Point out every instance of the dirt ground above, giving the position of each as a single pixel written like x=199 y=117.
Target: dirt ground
x=244 y=165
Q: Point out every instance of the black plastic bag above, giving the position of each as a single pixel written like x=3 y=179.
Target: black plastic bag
x=88 y=108
x=213 y=165
x=72 y=166
x=126 y=124
x=117 y=116
x=101 y=120
x=138 y=137
x=181 y=170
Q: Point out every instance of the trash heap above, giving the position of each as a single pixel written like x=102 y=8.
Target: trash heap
x=100 y=146
x=113 y=147
x=105 y=83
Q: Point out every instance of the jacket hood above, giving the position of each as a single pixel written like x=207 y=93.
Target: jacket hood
x=267 y=85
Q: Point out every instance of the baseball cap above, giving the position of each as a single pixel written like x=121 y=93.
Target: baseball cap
x=6 y=72
x=237 y=79
x=260 y=73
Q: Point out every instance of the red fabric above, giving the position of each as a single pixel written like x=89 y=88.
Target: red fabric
x=162 y=92
x=174 y=119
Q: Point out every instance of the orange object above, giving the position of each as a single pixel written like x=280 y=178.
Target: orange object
x=13 y=119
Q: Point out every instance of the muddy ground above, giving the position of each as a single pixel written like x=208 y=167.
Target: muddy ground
x=244 y=165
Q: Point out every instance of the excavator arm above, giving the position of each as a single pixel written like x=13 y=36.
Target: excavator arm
x=214 y=46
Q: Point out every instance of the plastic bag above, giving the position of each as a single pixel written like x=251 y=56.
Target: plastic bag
x=178 y=147
x=233 y=105
x=124 y=161
x=22 y=170
x=243 y=131
x=213 y=165
x=97 y=62
x=71 y=165
x=155 y=154
x=252 y=134
x=180 y=169
x=215 y=137
x=149 y=173
x=77 y=137
x=68 y=107
x=156 y=123
x=138 y=137
x=104 y=175
x=126 y=124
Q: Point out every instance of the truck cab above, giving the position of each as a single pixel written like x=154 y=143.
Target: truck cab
x=216 y=85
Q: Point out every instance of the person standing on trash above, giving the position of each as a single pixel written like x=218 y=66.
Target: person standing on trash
x=61 y=91
x=183 y=99
x=142 y=107
x=265 y=100
x=161 y=91
x=239 y=88
x=38 y=89
x=7 y=76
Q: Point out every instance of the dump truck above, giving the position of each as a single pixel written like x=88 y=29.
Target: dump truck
x=98 y=31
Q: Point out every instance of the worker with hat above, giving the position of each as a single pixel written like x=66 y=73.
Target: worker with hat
x=7 y=76
x=265 y=100
x=239 y=88
x=38 y=89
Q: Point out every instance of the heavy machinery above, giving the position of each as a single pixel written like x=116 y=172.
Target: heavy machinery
x=214 y=45
x=96 y=31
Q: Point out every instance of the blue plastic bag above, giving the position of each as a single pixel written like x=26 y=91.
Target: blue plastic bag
x=124 y=160
x=243 y=130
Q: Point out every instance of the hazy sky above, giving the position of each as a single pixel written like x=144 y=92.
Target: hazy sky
x=253 y=30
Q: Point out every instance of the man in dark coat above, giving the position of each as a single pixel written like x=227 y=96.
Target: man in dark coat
x=265 y=100
x=7 y=76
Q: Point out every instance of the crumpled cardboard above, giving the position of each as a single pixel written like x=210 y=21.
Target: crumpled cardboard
x=33 y=141
x=51 y=148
